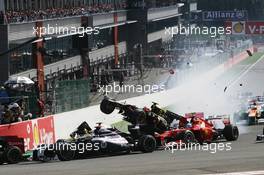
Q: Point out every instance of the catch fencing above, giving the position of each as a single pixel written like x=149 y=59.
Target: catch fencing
x=71 y=95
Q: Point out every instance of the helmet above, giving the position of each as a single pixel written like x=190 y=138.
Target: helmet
x=146 y=109
x=189 y=125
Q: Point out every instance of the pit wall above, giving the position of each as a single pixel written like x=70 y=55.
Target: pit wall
x=59 y=126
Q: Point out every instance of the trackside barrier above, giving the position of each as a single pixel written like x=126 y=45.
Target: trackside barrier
x=49 y=129
x=34 y=132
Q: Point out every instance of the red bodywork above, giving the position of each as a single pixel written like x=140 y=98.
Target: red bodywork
x=201 y=128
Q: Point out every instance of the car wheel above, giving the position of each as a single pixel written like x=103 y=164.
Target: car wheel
x=65 y=153
x=49 y=153
x=107 y=107
x=147 y=144
x=188 y=137
x=13 y=155
x=231 y=132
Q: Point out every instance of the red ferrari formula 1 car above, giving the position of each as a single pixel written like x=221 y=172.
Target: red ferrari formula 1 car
x=194 y=128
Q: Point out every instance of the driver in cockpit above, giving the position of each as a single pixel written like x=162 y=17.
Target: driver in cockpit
x=83 y=131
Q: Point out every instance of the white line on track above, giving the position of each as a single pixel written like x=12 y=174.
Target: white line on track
x=245 y=72
x=240 y=173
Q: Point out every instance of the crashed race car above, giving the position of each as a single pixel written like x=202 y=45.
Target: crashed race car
x=255 y=111
x=145 y=123
x=260 y=137
x=11 y=149
x=150 y=128
x=193 y=127
x=84 y=143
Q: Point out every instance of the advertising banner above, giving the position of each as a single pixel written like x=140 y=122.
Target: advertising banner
x=34 y=132
x=246 y=27
x=240 y=15
x=254 y=28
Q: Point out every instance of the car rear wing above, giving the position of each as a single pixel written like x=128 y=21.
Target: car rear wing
x=225 y=118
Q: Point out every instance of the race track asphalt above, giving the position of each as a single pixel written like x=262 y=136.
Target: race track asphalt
x=245 y=154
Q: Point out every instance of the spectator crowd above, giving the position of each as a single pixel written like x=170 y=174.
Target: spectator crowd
x=13 y=113
x=12 y=16
x=16 y=108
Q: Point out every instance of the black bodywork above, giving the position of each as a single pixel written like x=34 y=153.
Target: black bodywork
x=144 y=123
x=101 y=142
x=11 y=149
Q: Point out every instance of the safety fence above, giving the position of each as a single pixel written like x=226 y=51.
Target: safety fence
x=27 y=102
x=71 y=95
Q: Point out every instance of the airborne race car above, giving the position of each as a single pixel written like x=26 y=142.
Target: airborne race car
x=84 y=143
x=151 y=128
x=144 y=124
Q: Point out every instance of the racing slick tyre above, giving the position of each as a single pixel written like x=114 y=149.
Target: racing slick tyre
x=147 y=144
x=65 y=153
x=231 y=133
x=107 y=106
x=13 y=155
x=188 y=137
